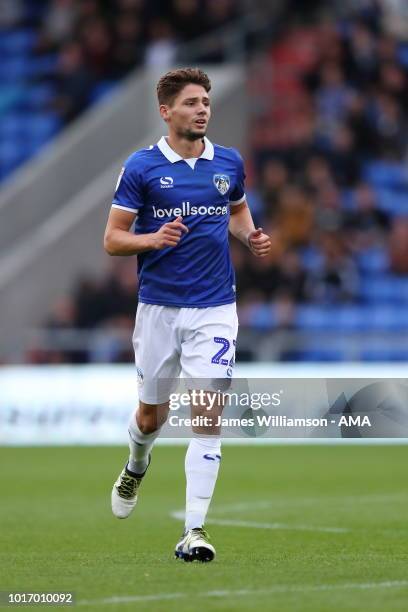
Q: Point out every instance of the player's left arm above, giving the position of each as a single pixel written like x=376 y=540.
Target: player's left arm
x=242 y=227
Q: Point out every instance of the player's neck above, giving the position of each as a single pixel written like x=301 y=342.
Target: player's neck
x=186 y=148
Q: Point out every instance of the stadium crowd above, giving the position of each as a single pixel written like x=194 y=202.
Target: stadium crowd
x=327 y=178
x=92 y=44
x=331 y=182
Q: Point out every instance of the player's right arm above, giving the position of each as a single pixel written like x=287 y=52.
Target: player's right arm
x=119 y=240
x=128 y=201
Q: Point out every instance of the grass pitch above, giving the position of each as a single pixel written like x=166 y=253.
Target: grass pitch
x=305 y=528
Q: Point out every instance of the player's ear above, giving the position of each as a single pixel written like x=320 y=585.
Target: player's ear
x=164 y=111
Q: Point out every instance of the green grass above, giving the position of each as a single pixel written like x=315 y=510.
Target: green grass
x=57 y=533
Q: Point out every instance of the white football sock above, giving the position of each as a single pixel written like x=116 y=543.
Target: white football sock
x=140 y=445
x=202 y=463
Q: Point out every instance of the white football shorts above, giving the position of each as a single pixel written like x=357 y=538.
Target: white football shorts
x=194 y=343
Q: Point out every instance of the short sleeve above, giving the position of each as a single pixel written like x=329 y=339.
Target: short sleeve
x=237 y=195
x=129 y=188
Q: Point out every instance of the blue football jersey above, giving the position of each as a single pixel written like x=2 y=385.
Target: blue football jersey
x=159 y=185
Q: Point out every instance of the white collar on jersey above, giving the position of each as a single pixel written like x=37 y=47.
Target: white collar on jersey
x=172 y=156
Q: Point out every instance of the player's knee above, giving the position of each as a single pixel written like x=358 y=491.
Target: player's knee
x=149 y=424
x=150 y=417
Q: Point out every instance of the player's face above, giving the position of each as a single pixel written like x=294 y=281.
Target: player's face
x=189 y=114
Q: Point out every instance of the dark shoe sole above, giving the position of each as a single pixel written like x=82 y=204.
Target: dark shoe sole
x=200 y=553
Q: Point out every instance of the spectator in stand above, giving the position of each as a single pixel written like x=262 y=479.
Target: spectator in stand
x=366 y=226
x=343 y=156
x=125 y=6
x=220 y=13
x=63 y=314
x=47 y=346
x=113 y=296
x=73 y=81
x=88 y=10
x=390 y=128
x=336 y=279
x=119 y=292
x=186 y=18
x=162 y=48
x=329 y=213
x=398 y=246
x=331 y=47
x=359 y=123
x=12 y=13
x=274 y=179
x=262 y=277
x=393 y=81
x=387 y=48
x=284 y=309
x=91 y=309
x=333 y=97
x=128 y=45
x=291 y=277
x=294 y=219
x=58 y=24
x=97 y=45
x=361 y=60
x=317 y=174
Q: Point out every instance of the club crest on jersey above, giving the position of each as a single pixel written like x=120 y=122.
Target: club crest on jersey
x=222 y=183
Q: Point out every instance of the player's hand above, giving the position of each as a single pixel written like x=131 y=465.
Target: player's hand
x=169 y=235
x=259 y=243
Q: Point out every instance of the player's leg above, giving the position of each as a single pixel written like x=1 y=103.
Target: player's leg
x=157 y=362
x=144 y=428
x=207 y=358
x=202 y=463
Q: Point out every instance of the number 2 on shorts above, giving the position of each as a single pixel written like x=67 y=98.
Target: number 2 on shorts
x=224 y=349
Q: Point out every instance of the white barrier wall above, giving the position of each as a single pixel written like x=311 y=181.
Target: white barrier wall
x=91 y=404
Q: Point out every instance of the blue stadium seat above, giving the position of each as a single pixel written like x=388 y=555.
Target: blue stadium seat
x=373 y=261
x=34 y=9
x=352 y=318
x=311 y=258
x=314 y=317
x=102 y=90
x=10 y=95
x=315 y=354
x=36 y=97
x=34 y=146
x=20 y=69
x=384 y=174
x=17 y=43
x=9 y=150
x=385 y=289
x=348 y=200
x=263 y=317
x=42 y=126
x=14 y=69
x=388 y=318
x=393 y=202
x=384 y=354
x=12 y=154
x=13 y=124
x=402 y=54
x=40 y=67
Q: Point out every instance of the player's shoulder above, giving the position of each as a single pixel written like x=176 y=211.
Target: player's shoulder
x=142 y=158
x=229 y=153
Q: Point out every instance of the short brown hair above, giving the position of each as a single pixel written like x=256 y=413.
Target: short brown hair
x=173 y=82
